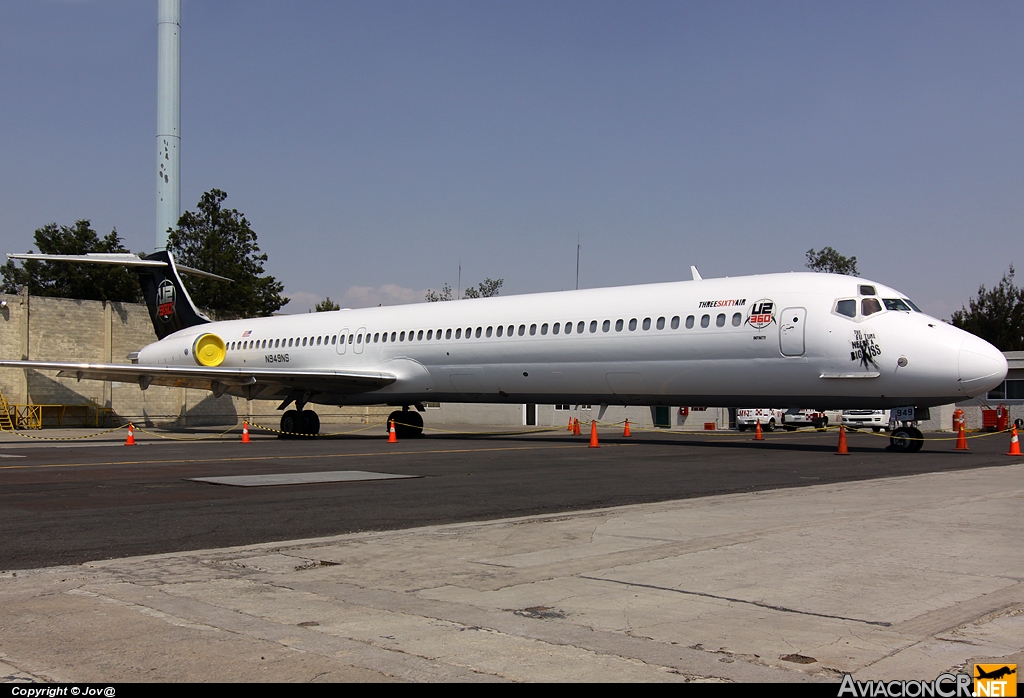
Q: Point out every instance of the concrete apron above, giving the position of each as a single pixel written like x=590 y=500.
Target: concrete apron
x=901 y=578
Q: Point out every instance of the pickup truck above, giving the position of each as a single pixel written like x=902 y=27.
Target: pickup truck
x=748 y=418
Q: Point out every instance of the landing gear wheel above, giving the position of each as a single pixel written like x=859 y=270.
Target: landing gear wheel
x=408 y=424
x=312 y=420
x=292 y=424
x=770 y=426
x=906 y=440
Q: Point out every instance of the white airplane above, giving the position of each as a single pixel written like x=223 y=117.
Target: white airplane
x=793 y=340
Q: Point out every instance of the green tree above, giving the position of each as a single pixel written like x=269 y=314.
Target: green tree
x=830 y=261
x=485 y=289
x=445 y=294
x=996 y=315
x=220 y=240
x=326 y=305
x=97 y=282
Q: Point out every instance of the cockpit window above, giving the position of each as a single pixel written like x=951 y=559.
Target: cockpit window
x=911 y=304
x=867 y=290
x=895 y=304
x=847 y=308
x=869 y=306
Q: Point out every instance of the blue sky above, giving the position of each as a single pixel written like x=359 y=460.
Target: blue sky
x=375 y=145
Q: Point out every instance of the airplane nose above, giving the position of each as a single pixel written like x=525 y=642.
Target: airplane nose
x=982 y=366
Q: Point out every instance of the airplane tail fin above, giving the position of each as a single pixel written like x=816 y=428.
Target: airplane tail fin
x=170 y=307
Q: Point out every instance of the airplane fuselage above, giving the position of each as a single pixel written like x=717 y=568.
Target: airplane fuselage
x=778 y=340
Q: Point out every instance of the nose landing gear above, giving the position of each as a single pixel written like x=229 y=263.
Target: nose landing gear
x=906 y=439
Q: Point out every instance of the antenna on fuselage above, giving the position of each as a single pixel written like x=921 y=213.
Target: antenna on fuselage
x=695 y=274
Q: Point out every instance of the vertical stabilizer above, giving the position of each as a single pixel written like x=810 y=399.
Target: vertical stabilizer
x=170 y=306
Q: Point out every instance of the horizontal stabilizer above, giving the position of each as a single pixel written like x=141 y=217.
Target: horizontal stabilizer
x=124 y=259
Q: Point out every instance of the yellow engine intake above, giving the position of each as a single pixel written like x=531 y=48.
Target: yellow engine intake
x=209 y=350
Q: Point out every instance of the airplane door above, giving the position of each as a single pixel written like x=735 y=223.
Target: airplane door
x=791 y=331
x=343 y=341
x=360 y=339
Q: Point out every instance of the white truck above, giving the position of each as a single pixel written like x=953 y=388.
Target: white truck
x=819 y=419
x=876 y=420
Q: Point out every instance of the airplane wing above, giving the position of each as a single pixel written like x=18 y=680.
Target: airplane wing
x=250 y=383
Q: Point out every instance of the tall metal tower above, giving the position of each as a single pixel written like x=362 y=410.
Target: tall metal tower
x=168 y=119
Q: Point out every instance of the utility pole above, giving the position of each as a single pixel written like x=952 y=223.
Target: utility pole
x=577 y=260
x=168 y=119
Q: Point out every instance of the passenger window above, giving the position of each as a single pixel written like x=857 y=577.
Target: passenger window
x=705 y=320
x=568 y=328
x=334 y=339
x=720 y=320
x=490 y=331
x=359 y=339
x=675 y=322
x=522 y=330
x=469 y=332
x=458 y=333
x=579 y=327
x=867 y=290
x=647 y=323
x=479 y=331
x=318 y=341
x=510 y=330
x=376 y=337
x=661 y=323
x=869 y=306
x=448 y=334
x=689 y=322
x=593 y=326
x=632 y=324
x=555 y=328
x=544 y=328
x=430 y=334
x=533 y=329
x=392 y=336
x=606 y=325
x=501 y=330
x=618 y=325
x=303 y=341
x=737 y=319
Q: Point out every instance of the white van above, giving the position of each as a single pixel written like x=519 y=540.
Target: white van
x=748 y=418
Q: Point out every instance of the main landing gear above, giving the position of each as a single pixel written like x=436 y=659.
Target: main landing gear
x=295 y=422
x=408 y=423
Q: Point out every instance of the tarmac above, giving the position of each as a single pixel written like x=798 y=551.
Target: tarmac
x=901 y=577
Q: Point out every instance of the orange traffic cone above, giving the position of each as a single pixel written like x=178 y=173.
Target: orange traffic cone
x=569 y=428
x=130 y=441
x=593 y=434
x=842 y=451
x=625 y=432
x=1014 y=444
x=576 y=427
x=961 y=439
x=245 y=432
x=758 y=436
x=392 y=436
